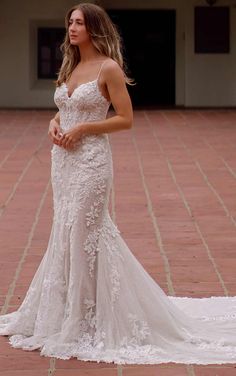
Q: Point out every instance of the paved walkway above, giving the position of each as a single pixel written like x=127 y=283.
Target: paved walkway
x=174 y=200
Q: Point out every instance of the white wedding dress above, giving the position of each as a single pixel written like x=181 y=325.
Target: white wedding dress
x=90 y=297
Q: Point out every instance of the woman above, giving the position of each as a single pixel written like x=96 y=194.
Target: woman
x=90 y=298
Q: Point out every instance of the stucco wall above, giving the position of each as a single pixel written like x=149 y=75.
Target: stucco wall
x=201 y=80
x=210 y=78
x=20 y=87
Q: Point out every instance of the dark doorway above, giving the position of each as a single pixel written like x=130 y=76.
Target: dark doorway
x=149 y=47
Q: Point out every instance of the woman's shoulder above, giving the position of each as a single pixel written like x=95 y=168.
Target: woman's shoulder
x=111 y=68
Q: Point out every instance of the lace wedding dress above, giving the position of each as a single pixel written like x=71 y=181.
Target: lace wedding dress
x=90 y=297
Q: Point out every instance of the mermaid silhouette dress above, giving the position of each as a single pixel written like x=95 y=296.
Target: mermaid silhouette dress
x=90 y=297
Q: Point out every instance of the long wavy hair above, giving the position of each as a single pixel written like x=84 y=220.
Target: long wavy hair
x=104 y=37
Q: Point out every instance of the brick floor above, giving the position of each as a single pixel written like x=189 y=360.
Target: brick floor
x=173 y=200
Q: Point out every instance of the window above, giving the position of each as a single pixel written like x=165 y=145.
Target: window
x=49 y=54
x=212 y=29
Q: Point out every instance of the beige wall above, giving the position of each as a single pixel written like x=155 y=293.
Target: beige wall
x=20 y=87
x=210 y=79
x=201 y=80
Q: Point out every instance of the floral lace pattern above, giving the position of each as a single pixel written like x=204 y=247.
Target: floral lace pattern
x=90 y=298
x=140 y=331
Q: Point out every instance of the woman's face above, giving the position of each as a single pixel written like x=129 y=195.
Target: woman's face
x=77 y=30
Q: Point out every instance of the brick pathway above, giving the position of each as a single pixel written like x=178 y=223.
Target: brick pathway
x=174 y=200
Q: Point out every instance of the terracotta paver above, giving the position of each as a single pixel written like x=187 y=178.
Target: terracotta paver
x=87 y=372
x=24 y=373
x=173 y=200
x=155 y=370
x=216 y=371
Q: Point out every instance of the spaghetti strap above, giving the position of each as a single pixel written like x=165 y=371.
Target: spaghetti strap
x=100 y=69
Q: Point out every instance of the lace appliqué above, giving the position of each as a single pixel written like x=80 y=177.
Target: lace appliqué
x=93 y=219
x=91 y=337
x=219 y=318
x=140 y=331
x=108 y=233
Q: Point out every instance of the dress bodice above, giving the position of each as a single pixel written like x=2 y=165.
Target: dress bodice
x=85 y=104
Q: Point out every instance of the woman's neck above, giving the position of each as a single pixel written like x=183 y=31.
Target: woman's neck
x=88 y=53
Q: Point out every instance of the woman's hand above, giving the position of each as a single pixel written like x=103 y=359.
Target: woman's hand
x=71 y=137
x=54 y=131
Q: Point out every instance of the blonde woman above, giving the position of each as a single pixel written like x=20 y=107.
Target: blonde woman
x=90 y=298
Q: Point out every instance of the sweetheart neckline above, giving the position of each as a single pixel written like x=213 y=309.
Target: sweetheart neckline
x=85 y=83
